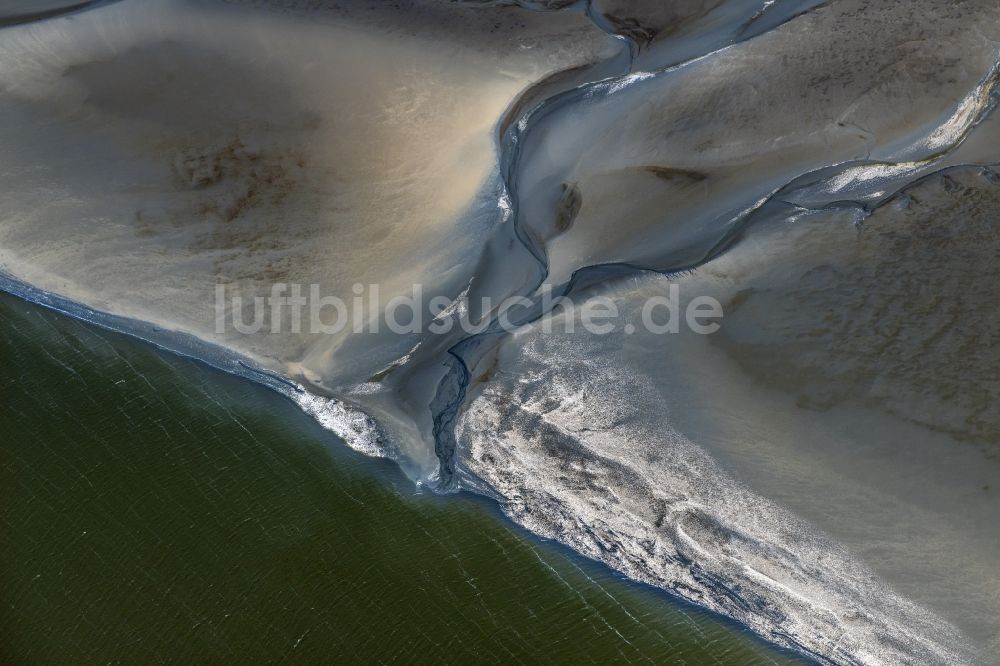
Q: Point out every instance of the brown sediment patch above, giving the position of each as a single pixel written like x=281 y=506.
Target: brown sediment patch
x=235 y=178
x=568 y=207
x=491 y=370
x=235 y=143
x=213 y=189
x=668 y=173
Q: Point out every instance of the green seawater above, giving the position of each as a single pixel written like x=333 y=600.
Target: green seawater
x=155 y=510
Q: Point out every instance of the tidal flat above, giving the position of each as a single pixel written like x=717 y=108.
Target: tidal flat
x=819 y=465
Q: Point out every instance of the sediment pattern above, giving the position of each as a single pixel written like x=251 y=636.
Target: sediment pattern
x=822 y=168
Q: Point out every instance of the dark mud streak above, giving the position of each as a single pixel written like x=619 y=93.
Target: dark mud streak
x=7 y=20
